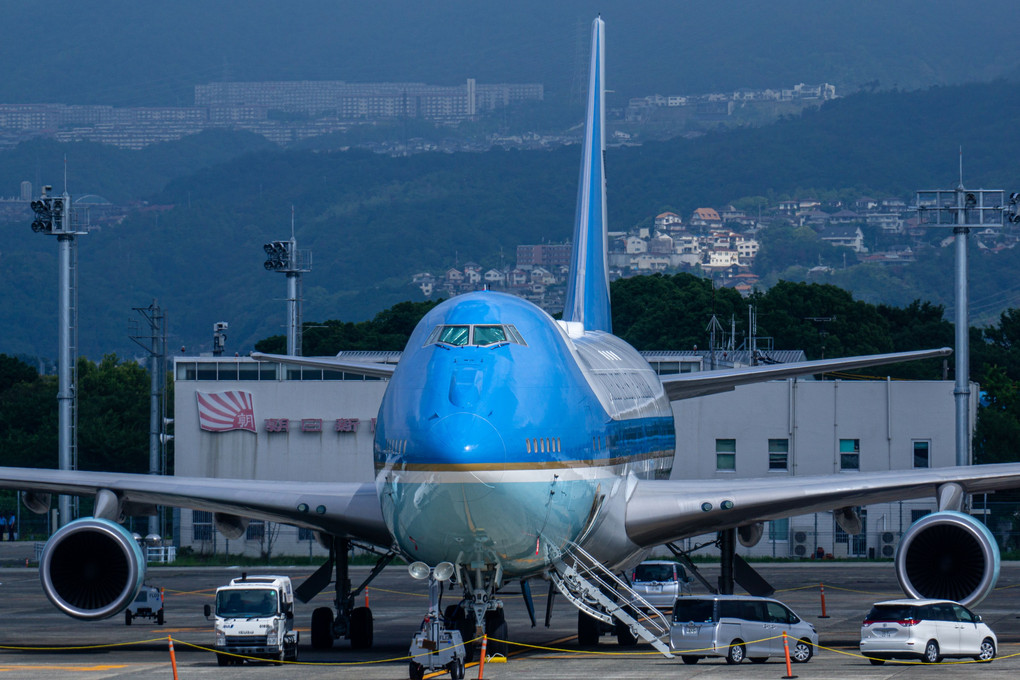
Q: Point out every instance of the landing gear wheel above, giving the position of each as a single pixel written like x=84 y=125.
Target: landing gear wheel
x=456 y=617
x=801 y=652
x=624 y=637
x=159 y=617
x=690 y=660
x=456 y=668
x=322 y=628
x=736 y=652
x=416 y=671
x=931 y=652
x=587 y=630
x=361 y=628
x=495 y=627
x=127 y=618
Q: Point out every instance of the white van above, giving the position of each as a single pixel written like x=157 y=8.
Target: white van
x=147 y=604
x=737 y=627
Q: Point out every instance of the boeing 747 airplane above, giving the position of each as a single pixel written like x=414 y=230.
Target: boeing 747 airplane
x=511 y=446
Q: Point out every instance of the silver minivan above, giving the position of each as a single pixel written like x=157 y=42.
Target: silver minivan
x=737 y=627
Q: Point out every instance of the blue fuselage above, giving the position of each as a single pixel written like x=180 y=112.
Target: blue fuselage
x=503 y=430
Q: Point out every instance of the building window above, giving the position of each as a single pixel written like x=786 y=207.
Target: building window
x=779 y=451
x=256 y=530
x=725 y=454
x=921 y=459
x=779 y=529
x=849 y=454
x=201 y=525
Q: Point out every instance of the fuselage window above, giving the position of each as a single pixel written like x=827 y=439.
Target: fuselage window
x=488 y=335
x=454 y=335
x=527 y=444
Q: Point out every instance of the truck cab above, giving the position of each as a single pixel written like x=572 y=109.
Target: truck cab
x=254 y=619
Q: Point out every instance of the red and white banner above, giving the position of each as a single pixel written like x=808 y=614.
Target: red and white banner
x=225 y=411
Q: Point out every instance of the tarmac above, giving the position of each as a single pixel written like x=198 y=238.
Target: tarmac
x=36 y=641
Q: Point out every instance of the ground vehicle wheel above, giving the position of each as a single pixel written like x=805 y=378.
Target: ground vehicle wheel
x=127 y=618
x=757 y=659
x=987 y=652
x=416 y=671
x=495 y=627
x=690 y=660
x=322 y=628
x=292 y=654
x=931 y=652
x=159 y=617
x=361 y=628
x=801 y=652
x=223 y=660
x=736 y=652
x=587 y=630
x=876 y=662
x=456 y=668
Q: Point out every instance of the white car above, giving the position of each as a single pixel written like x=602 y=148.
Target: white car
x=148 y=604
x=660 y=582
x=929 y=630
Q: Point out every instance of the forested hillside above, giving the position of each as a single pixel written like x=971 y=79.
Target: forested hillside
x=373 y=221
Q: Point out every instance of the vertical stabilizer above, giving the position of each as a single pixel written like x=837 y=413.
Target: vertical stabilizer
x=587 y=299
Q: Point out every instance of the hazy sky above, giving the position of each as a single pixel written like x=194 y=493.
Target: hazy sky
x=143 y=52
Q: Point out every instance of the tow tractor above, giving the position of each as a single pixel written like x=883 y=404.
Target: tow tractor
x=435 y=647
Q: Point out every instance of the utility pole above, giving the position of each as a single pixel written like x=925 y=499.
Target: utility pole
x=962 y=209
x=155 y=344
x=53 y=216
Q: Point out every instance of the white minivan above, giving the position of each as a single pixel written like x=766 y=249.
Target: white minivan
x=737 y=627
x=925 y=629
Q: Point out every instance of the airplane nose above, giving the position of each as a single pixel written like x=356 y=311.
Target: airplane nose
x=469 y=443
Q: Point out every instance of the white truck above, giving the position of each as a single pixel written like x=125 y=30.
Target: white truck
x=254 y=618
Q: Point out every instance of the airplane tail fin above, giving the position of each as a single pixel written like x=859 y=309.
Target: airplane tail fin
x=587 y=300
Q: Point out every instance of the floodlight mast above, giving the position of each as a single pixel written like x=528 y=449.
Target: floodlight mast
x=54 y=217
x=963 y=209
x=284 y=257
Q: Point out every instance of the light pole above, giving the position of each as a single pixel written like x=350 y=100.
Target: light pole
x=53 y=216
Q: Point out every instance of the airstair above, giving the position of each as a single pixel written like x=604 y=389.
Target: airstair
x=603 y=595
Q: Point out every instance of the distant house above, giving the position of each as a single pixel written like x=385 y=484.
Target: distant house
x=472 y=273
x=494 y=277
x=636 y=245
x=846 y=236
x=668 y=221
x=518 y=277
x=844 y=217
x=705 y=218
x=454 y=276
x=660 y=245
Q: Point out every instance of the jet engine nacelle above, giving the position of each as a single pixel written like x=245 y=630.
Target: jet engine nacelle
x=950 y=556
x=92 y=568
x=750 y=534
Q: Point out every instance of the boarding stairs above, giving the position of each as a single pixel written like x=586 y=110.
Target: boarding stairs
x=590 y=587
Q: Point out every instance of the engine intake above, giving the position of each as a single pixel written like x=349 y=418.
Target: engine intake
x=92 y=568
x=949 y=556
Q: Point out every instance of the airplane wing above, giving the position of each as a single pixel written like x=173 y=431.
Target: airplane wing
x=662 y=511
x=687 y=385
x=367 y=368
x=342 y=509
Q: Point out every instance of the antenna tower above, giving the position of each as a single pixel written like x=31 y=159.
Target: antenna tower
x=284 y=257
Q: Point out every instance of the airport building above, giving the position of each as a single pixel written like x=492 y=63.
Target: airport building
x=236 y=418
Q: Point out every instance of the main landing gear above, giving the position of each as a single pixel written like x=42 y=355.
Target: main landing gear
x=350 y=622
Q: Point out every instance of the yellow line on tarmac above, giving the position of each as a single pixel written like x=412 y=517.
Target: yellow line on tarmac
x=5 y=669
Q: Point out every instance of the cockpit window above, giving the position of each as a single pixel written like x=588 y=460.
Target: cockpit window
x=454 y=335
x=488 y=335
